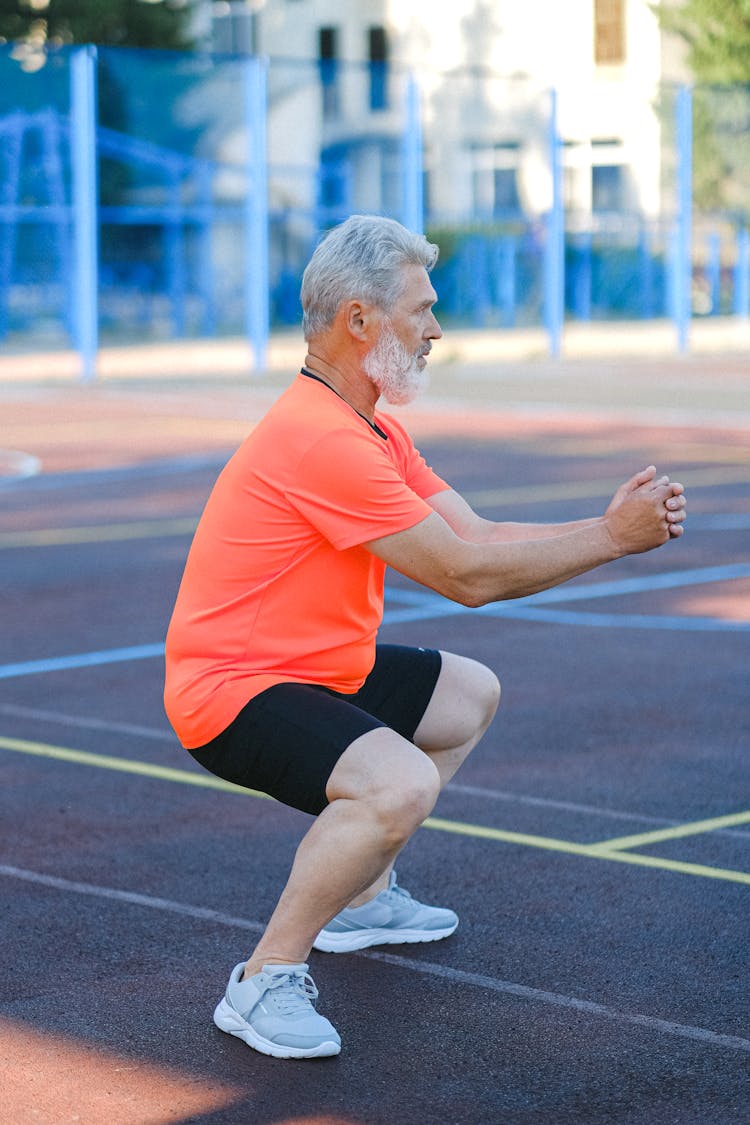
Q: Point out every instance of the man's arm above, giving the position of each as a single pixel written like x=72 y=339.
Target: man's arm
x=462 y=519
x=474 y=528
x=438 y=552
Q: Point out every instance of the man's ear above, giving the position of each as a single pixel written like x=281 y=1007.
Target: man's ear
x=360 y=319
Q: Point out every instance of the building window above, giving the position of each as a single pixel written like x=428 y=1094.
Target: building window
x=607 y=187
x=494 y=179
x=232 y=28
x=378 y=58
x=609 y=31
x=328 y=62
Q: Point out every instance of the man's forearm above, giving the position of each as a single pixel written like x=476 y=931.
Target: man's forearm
x=502 y=569
x=447 y=553
x=510 y=532
x=476 y=529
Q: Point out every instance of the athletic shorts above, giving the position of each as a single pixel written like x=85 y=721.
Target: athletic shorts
x=286 y=740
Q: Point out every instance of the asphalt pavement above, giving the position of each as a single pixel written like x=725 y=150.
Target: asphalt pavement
x=596 y=846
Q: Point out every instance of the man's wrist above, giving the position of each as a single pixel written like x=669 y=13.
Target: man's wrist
x=611 y=547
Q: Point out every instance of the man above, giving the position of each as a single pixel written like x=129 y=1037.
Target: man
x=274 y=679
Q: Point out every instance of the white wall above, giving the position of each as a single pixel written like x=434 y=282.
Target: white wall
x=541 y=43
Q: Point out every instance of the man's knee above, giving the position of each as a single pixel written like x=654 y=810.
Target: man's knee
x=396 y=782
x=486 y=689
x=402 y=808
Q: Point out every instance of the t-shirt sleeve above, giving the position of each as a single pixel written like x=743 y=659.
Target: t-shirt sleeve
x=350 y=489
x=414 y=469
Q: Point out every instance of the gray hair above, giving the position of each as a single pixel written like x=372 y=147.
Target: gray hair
x=361 y=259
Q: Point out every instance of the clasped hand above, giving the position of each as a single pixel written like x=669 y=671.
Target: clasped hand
x=645 y=512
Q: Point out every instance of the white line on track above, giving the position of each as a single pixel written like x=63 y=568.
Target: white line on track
x=88 y=723
x=16 y=465
x=587 y=1007
x=426 y=968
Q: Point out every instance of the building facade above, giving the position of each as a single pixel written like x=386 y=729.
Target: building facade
x=485 y=69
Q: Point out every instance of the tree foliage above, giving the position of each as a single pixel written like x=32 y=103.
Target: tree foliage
x=118 y=23
x=717 y=34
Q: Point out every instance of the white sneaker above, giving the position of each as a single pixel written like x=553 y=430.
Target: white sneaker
x=393 y=917
x=273 y=1012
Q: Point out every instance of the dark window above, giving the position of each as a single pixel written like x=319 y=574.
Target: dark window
x=328 y=61
x=506 y=191
x=607 y=187
x=609 y=31
x=378 y=57
x=233 y=28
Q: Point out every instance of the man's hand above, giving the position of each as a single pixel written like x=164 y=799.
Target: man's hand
x=645 y=512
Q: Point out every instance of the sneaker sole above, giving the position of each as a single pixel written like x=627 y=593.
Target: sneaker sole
x=227 y=1019
x=327 y=942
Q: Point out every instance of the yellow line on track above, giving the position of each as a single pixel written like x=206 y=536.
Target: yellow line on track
x=676 y=832
x=126 y=765
x=588 y=490
x=589 y=851
x=683 y=452
x=476 y=831
x=186 y=525
x=101 y=533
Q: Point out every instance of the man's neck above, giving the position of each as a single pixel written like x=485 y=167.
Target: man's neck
x=350 y=383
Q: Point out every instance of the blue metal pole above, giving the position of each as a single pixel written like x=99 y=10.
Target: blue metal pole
x=257 y=282
x=85 y=207
x=554 y=247
x=412 y=159
x=683 y=264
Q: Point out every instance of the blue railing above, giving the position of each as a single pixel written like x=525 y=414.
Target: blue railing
x=125 y=211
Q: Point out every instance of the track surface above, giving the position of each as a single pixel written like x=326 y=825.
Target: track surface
x=596 y=847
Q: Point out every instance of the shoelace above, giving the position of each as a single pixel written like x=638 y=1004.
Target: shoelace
x=294 y=991
x=398 y=892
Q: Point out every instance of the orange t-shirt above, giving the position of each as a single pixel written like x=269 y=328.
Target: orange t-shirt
x=277 y=586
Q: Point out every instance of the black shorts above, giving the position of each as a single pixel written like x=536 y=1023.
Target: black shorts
x=286 y=741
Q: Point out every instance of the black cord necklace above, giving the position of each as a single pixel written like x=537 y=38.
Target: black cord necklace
x=311 y=375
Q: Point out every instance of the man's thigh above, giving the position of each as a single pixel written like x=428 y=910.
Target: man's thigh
x=462 y=706
x=287 y=741
x=387 y=770
x=400 y=686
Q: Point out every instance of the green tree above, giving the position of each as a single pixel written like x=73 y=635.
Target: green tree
x=118 y=23
x=717 y=34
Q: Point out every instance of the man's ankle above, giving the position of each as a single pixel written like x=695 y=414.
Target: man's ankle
x=369 y=894
x=255 y=964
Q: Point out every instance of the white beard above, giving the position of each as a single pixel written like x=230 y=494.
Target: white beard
x=394 y=370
